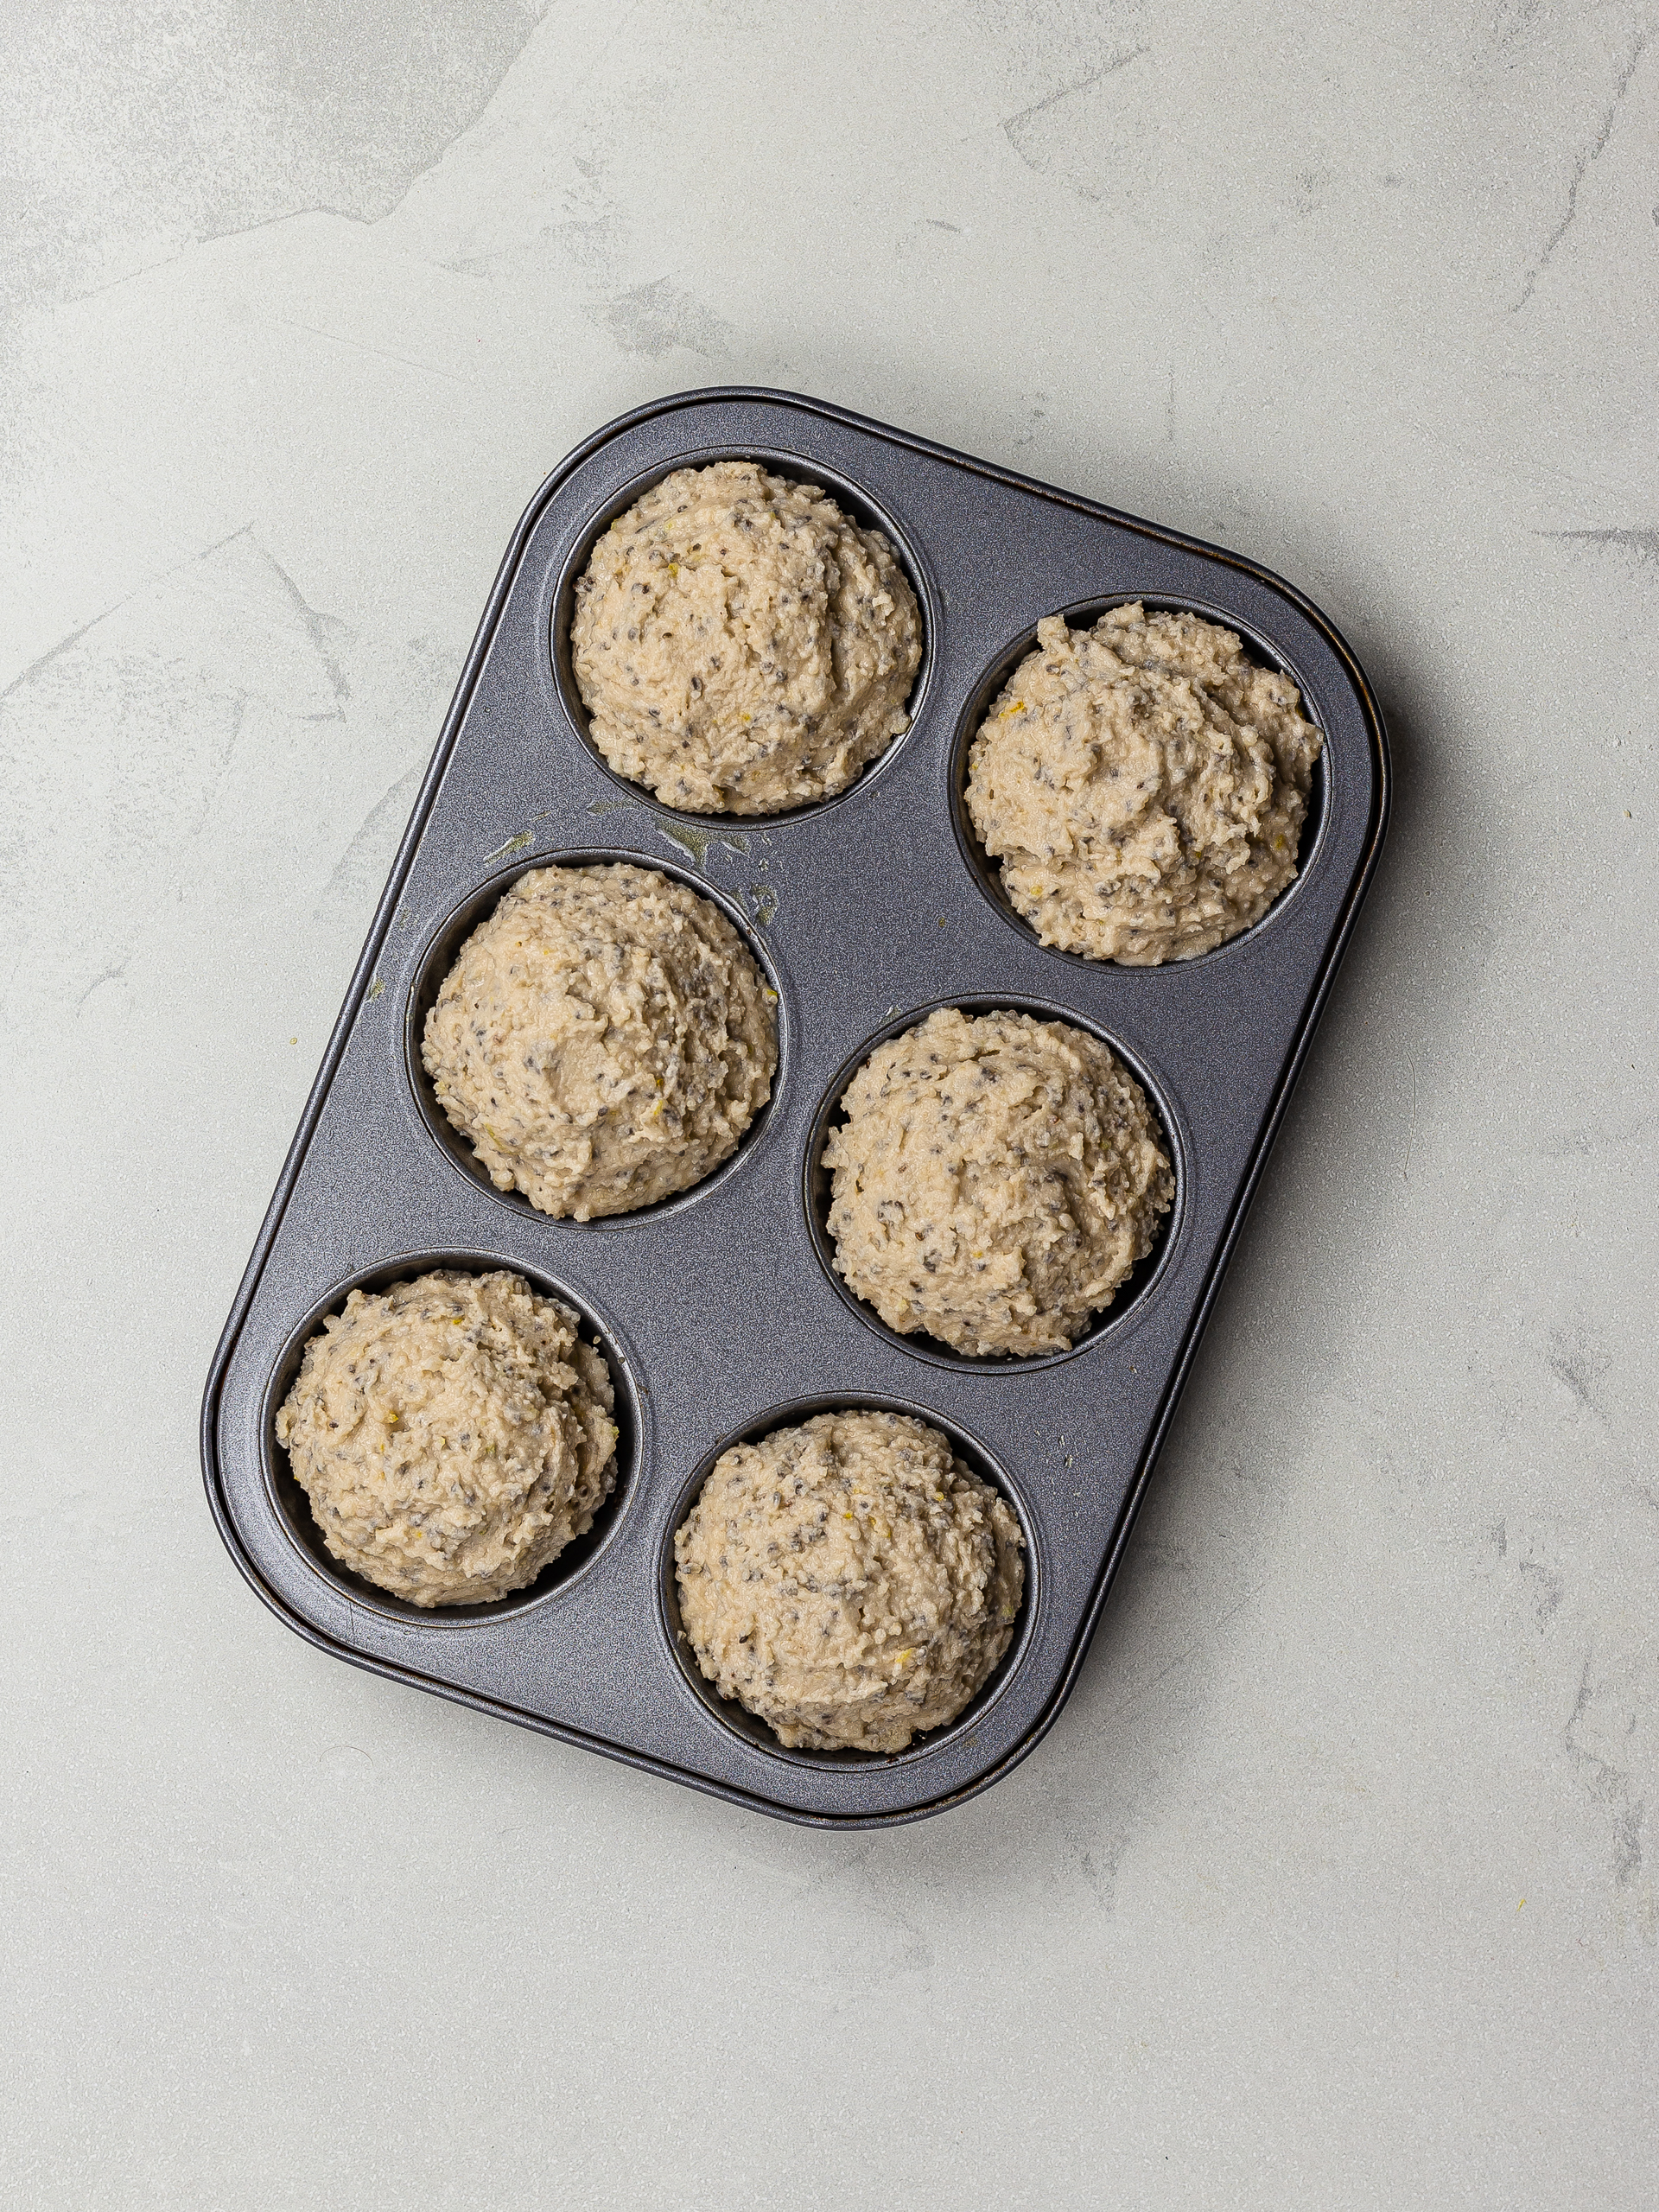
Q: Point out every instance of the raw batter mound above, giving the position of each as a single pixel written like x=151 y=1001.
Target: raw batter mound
x=850 y=1581
x=995 y=1180
x=603 y=1040
x=453 y=1434
x=1143 y=785
x=741 y=645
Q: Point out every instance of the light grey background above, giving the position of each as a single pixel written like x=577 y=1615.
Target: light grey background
x=1335 y=1885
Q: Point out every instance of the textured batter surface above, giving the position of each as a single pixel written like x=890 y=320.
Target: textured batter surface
x=850 y=1581
x=741 y=645
x=1143 y=785
x=994 y=1179
x=603 y=1040
x=453 y=1434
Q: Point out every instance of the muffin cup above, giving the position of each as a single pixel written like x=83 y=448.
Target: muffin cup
x=1136 y=1285
x=1084 y=614
x=438 y=956
x=753 y=1731
x=292 y=1508
x=853 y=501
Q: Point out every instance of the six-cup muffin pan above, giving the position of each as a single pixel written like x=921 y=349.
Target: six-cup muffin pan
x=719 y=1310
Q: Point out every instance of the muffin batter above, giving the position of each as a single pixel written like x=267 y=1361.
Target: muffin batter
x=603 y=1040
x=453 y=1434
x=1143 y=785
x=741 y=645
x=995 y=1180
x=850 y=1581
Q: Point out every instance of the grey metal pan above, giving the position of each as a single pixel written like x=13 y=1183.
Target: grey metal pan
x=719 y=1311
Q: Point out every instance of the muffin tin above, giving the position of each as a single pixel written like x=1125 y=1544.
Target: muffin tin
x=719 y=1310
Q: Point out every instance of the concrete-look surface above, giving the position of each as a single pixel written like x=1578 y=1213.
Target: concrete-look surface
x=1338 y=1882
